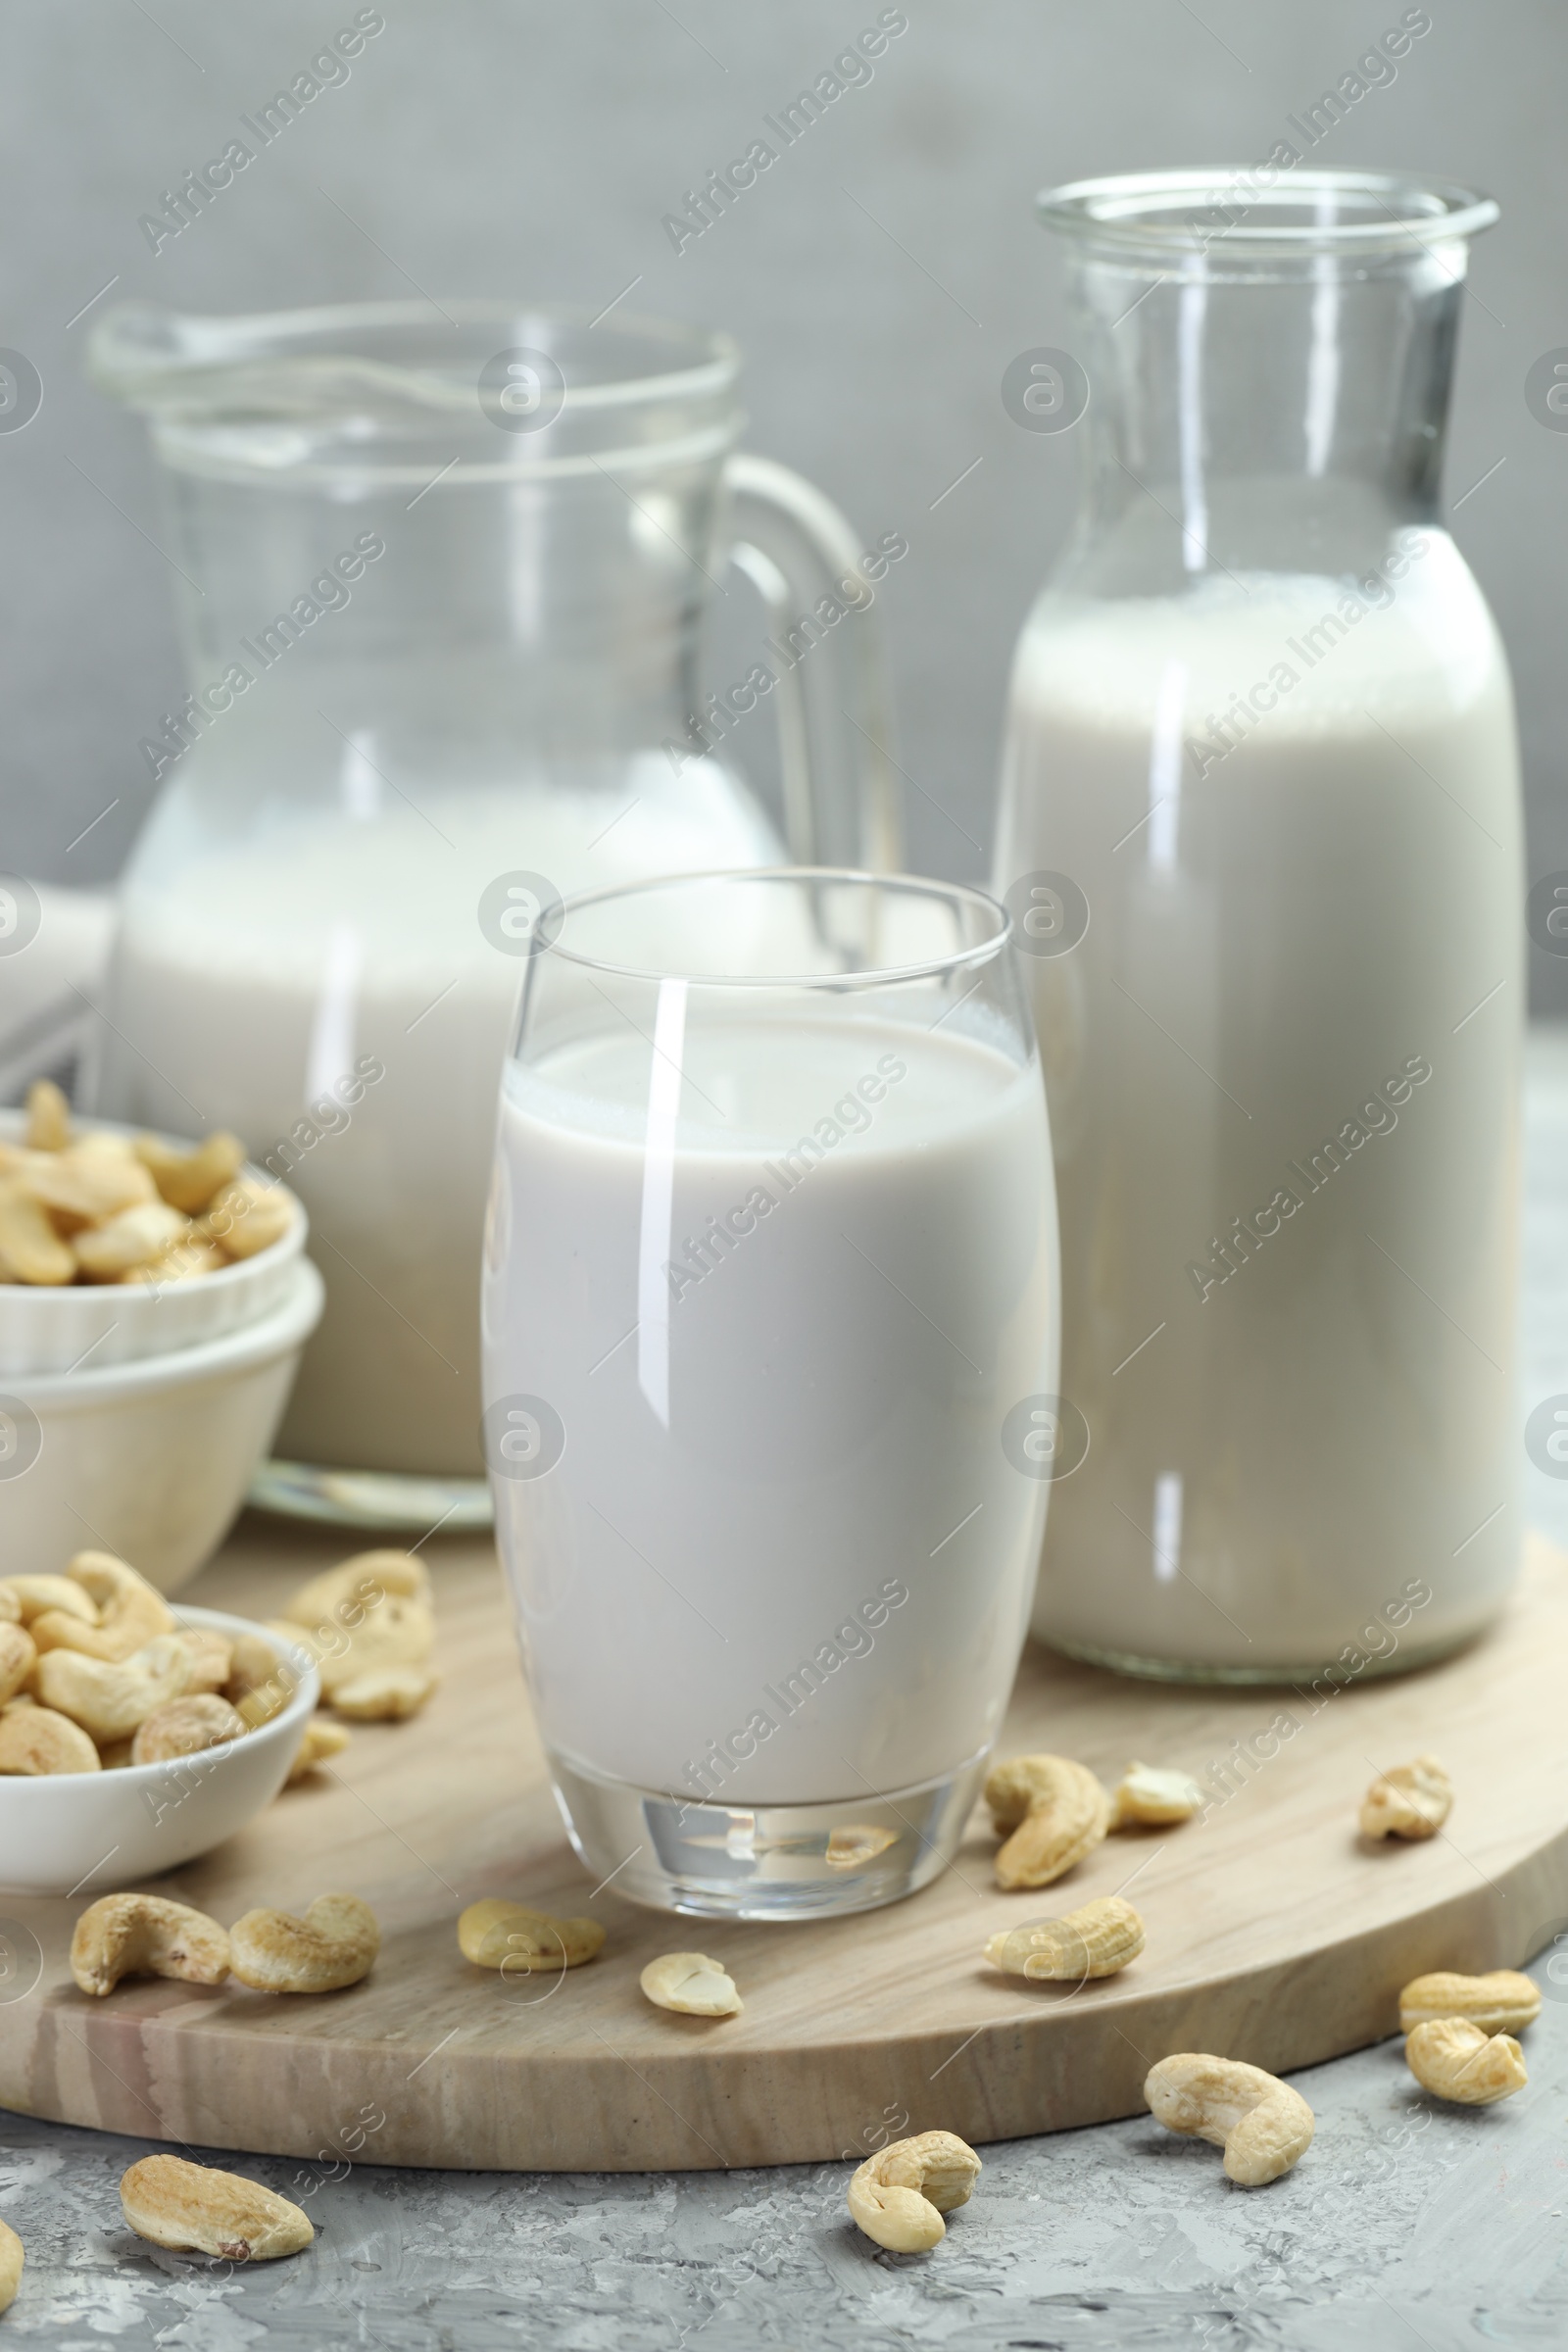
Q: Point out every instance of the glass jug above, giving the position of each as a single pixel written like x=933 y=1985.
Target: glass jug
x=445 y=576
x=1261 y=838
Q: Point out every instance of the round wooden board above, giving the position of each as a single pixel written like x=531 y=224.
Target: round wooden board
x=1275 y=1933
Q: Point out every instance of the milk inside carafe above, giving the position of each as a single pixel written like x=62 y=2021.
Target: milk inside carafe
x=1260 y=815
x=444 y=646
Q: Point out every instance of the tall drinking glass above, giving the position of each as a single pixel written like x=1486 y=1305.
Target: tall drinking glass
x=770 y=1335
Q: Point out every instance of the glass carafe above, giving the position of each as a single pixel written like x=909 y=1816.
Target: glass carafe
x=1261 y=838
x=444 y=575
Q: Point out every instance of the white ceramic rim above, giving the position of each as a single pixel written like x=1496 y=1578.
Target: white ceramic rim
x=288 y=1326
x=300 y=1708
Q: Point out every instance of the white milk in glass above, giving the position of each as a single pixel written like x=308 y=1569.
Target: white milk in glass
x=1282 y=1074
x=263 y=974
x=782 y=1556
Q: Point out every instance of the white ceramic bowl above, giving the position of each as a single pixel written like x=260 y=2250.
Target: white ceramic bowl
x=44 y=1329
x=148 y=1460
x=90 y=1833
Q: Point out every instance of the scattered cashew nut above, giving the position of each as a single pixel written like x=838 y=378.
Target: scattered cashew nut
x=498 y=1934
x=109 y=1700
x=196 y=2208
x=1503 y=2002
x=37 y=1739
x=384 y=1693
x=1145 y=1795
x=1096 y=1941
x=1057 y=1813
x=1263 y=2125
x=1455 y=2060
x=11 y=2261
x=1412 y=1800
x=899 y=2195
x=145 y=1935
x=321 y=1739
x=186 y=1726
x=689 y=1983
x=360 y=1585
x=335 y=1945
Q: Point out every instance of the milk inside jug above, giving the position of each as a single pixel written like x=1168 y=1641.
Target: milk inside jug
x=445 y=581
x=1261 y=832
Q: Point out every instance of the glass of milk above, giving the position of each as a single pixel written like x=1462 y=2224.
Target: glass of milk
x=446 y=573
x=1260 y=831
x=769 y=1330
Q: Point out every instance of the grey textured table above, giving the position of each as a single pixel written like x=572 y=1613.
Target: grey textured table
x=1408 y=2225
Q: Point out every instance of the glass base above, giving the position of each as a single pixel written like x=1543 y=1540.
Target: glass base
x=381 y=1499
x=1401 y=1660
x=816 y=1861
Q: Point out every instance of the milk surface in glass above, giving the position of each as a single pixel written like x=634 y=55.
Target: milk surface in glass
x=783 y=1556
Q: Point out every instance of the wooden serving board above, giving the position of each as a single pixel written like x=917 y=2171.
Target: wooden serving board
x=1275 y=1933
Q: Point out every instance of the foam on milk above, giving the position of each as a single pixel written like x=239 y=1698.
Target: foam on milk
x=782 y=1556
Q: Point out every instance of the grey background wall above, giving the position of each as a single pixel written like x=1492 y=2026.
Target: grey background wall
x=879 y=277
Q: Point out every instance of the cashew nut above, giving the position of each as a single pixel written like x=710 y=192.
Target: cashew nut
x=1057 y=1810
x=358 y=1586
x=390 y=1632
x=35 y=1594
x=185 y=1727
x=129 y=1611
x=211 y=1654
x=30 y=1250
x=146 y=1935
x=137 y=1236
x=196 y=2208
x=9 y=1605
x=1503 y=2002
x=384 y=1693
x=189 y=1180
x=18 y=1657
x=856 y=1844
x=256 y=1667
x=86 y=1183
x=109 y=1700
x=899 y=2195
x=498 y=1934
x=1147 y=1796
x=691 y=1984
x=1455 y=2060
x=321 y=1739
x=1263 y=2125
x=335 y=1945
x=1412 y=1800
x=1096 y=1941
x=11 y=2261
x=36 y=1739
x=247 y=1217
x=48 y=1117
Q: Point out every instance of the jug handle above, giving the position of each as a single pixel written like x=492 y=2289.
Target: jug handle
x=793 y=544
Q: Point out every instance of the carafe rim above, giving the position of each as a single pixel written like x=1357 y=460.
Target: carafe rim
x=1267 y=211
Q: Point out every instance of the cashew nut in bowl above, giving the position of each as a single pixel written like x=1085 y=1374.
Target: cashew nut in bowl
x=335 y=1945
x=36 y=1739
x=186 y=1726
x=197 y=2209
x=1263 y=2125
x=146 y=1935
x=33 y=1594
x=1057 y=1813
x=18 y=1657
x=111 y=1701
x=211 y=1657
x=899 y=2195
x=131 y=1612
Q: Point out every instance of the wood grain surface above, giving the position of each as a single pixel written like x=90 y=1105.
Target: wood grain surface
x=1275 y=1933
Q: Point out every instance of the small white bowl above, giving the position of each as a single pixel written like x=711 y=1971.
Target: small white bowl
x=49 y=1328
x=89 y=1833
x=149 y=1461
